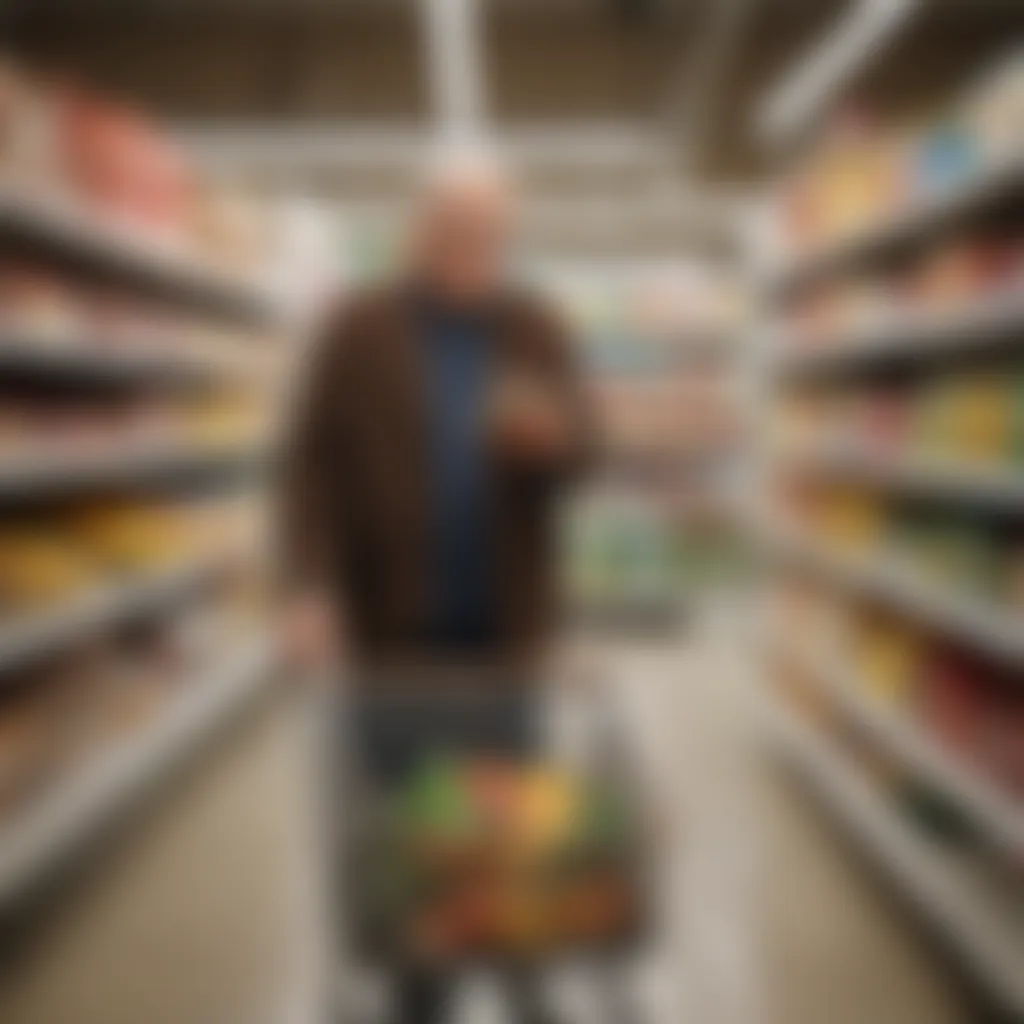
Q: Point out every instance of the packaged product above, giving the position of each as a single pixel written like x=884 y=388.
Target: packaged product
x=855 y=177
x=890 y=656
x=883 y=418
x=25 y=750
x=865 y=303
x=1015 y=447
x=228 y=228
x=956 y=550
x=39 y=567
x=29 y=133
x=917 y=537
x=948 y=154
x=983 y=415
x=1011 y=572
x=952 y=703
x=951 y=274
x=36 y=305
x=1003 y=745
x=854 y=519
x=127 y=536
x=122 y=169
x=968 y=416
x=933 y=416
x=999 y=265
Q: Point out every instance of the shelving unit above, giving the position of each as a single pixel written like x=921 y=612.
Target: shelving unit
x=991 y=809
x=33 y=479
x=956 y=888
x=920 y=221
x=178 y=409
x=998 y=635
x=990 y=322
x=667 y=357
x=657 y=341
x=989 y=486
x=24 y=357
x=59 y=830
x=983 y=931
x=70 y=237
x=32 y=637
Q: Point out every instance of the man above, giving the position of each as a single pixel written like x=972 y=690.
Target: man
x=442 y=423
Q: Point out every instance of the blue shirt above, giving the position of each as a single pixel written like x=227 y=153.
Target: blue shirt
x=458 y=358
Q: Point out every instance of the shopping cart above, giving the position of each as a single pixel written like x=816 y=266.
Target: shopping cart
x=479 y=861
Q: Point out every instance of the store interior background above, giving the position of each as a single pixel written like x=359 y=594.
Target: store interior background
x=821 y=688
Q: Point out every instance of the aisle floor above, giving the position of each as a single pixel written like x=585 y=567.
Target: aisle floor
x=210 y=914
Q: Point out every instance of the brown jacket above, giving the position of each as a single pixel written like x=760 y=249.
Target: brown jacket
x=356 y=499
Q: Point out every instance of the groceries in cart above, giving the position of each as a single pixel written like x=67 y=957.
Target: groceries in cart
x=496 y=859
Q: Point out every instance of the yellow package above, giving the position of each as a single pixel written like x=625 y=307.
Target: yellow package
x=889 y=657
x=981 y=417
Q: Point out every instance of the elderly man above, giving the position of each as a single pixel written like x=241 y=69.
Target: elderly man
x=442 y=422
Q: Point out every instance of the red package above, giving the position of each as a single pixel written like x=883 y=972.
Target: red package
x=954 y=701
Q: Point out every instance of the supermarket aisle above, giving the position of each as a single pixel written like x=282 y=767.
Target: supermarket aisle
x=768 y=919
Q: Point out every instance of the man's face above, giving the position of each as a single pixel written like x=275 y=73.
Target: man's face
x=464 y=236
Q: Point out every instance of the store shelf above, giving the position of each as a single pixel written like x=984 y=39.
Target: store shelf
x=986 y=190
x=38 y=477
x=986 y=628
x=72 y=237
x=987 y=485
x=985 y=932
x=997 y=813
x=22 y=356
x=654 y=362
x=707 y=346
x=34 y=636
x=633 y=616
x=678 y=466
x=981 y=325
x=54 y=832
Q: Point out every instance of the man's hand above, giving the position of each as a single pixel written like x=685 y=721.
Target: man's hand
x=528 y=424
x=311 y=637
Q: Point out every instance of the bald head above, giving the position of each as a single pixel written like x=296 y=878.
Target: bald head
x=463 y=226
x=462 y=174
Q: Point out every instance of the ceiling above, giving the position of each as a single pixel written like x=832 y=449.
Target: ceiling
x=689 y=72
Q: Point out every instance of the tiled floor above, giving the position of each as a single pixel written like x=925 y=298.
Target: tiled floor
x=210 y=914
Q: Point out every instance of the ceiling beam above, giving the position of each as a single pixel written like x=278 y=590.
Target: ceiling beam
x=243 y=144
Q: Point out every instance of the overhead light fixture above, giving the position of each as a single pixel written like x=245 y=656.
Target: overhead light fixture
x=847 y=48
x=456 y=71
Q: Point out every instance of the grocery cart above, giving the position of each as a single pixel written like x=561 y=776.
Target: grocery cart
x=479 y=861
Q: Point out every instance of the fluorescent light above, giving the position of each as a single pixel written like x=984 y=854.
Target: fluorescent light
x=453 y=55
x=858 y=38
